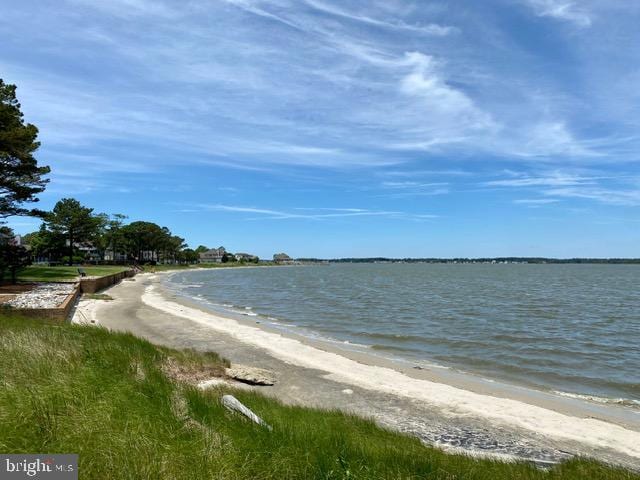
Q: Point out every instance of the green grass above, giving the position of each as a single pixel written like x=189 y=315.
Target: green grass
x=37 y=273
x=115 y=400
x=97 y=296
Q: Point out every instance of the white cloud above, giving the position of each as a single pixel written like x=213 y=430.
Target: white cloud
x=426 y=83
x=546 y=139
x=618 y=196
x=551 y=179
x=430 y=29
x=562 y=10
x=314 y=213
x=536 y=201
x=621 y=190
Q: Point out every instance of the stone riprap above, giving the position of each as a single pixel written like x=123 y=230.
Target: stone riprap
x=44 y=295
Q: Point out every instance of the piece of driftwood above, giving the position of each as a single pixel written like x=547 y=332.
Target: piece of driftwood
x=251 y=375
x=232 y=403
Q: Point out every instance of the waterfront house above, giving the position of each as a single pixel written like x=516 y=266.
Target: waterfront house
x=213 y=256
x=283 y=259
x=247 y=257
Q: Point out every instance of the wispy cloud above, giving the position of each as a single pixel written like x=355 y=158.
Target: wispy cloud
x=549 y=179
x=618 y=196
x=319 y=213
x=622 y=190
x=535 y=201
x=395 y=24
x=565 y=10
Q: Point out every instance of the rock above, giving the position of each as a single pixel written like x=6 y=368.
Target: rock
x=214 y=382
x=251 y=375
x=233 y=404
x=347 y=391
x=43 y=295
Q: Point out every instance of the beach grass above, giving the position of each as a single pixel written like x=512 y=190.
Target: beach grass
x=126 y=407
x=39 y=273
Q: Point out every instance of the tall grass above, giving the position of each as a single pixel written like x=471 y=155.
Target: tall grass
x=117 y=401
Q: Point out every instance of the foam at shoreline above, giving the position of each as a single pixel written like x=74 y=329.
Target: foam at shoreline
x=450 y=400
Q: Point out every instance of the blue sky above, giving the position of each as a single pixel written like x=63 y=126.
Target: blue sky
x=341 y=128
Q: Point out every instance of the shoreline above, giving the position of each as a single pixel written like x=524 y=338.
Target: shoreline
x=456 y=402
x=563 y=402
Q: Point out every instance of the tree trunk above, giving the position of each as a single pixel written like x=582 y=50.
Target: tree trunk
x=70 y=248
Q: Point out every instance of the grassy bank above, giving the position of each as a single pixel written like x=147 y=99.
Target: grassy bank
x=114 y=399
x=38 y=273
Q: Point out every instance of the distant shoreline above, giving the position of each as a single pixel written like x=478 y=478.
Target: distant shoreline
x=481 y=260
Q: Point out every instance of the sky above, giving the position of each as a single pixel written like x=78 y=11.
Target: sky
x=325 y=128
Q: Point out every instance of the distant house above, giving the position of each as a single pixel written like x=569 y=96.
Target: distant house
x=282 y=259
x=86 y=250
x=111 y=256
x=213 y=256
x=247 y=257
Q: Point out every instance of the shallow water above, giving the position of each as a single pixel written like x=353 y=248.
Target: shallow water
x=573 y=329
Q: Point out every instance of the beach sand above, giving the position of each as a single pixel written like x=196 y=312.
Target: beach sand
x=451 y=410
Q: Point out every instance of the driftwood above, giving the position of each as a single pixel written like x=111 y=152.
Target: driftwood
x=233 y=404
x=251 y=375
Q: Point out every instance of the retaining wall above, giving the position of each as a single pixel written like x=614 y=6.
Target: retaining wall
x=93 y=285
x=57 y=315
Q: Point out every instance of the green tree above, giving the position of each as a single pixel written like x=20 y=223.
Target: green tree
x=189 y=255
x=44 y=243
x=201 y=249
x=140 y=237
x=21 y=179
x=12 y=257
x=112 y=237
x=73 y=221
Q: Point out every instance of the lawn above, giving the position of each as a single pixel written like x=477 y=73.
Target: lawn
x=115 y=400
x=37 y=273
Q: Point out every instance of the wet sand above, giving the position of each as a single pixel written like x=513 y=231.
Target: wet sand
x=442 y=407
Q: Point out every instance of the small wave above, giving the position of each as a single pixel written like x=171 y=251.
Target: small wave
x=390 y=348
x=624 y=402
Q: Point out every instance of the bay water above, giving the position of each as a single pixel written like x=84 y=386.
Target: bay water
x=572 y=329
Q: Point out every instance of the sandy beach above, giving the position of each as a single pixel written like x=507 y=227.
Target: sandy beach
x=442 y=407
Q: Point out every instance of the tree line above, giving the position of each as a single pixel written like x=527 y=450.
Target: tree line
x=72 y=233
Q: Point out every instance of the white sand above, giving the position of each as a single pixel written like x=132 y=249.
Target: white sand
x=86 y=311
x=451 y=400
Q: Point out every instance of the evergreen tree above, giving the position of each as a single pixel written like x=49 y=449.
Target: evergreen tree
x=21 y=179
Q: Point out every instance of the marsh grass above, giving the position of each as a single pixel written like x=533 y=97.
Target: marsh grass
x=109 y=398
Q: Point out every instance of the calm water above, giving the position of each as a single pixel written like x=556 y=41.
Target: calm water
x=567 y=328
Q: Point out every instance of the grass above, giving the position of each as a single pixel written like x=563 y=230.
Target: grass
x=97 y=296
x=37 y=273
x=124 y=405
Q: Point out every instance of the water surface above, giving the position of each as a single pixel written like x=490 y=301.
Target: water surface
x=574 y=329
